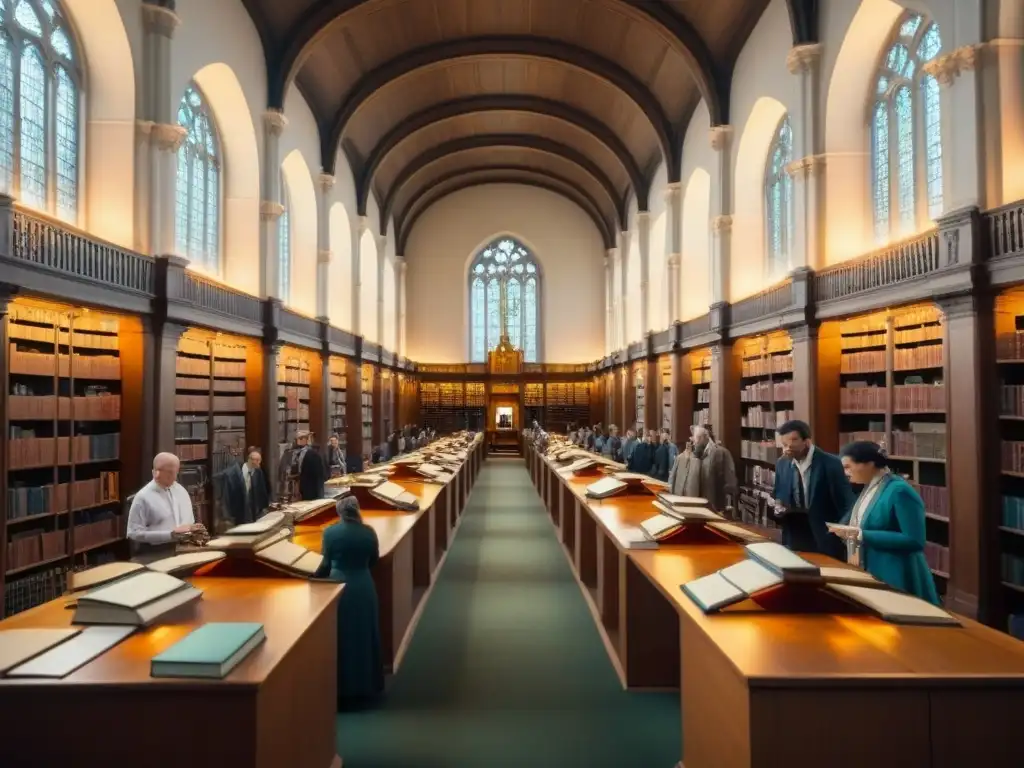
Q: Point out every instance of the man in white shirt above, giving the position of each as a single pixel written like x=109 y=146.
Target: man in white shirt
x=161 y=512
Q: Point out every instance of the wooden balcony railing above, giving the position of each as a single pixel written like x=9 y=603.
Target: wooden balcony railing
x=770 y=301
x=909 y=259
x=1004 y=228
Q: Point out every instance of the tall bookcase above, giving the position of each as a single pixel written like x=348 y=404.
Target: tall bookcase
x=337 y=417
x=640 y=397
x=476 y=405
x=387 y=404
x=63 y=471
x=366 y=373
x=1010 y=365
x=701 y=377
x=665 y=380
x=294 y=371
x=766 y=401
x=210 y=415
x=533 y=402
x=566 y=403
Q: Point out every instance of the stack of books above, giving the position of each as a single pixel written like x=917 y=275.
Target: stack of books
x=136 y=601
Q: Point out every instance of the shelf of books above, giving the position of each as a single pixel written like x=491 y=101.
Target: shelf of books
x=609 y=399
x=442 y=405
x=209 y=419
x=640 y=396
x=294 y=371
x=892 y=393
x=1010 y=363
x=566 y=403
x=476 y=405
x=701 y=377
x=665 y=376
x=533 y=403
x=766 y=397
x=367 y=409
x=337 y=419
x=63 y=472
x=387 y=404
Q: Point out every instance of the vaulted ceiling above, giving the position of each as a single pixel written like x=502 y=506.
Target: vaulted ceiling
x=582 y=97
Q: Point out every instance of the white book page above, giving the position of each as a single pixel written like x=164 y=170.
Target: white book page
x=896 y=606
x=390 y=490
x=657 y=525
x=283 y=552
x=713 y=591
x=136 y=591
x=751 y=576
x=683 y=501
x=262 y=525
x=605 y=486
x=185 y=560
x=576 y=466
x=849 y=574
x=738 y=531
x=308 y=563
x=17 y=645
x=780 y=557
x=102 y=574
x=634 y=476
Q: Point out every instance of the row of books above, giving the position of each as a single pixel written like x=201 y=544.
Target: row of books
x=476 y=395
x=203 y=366
x=192 y=451
x=533 y=395
x=31 y=452
x=775 y=364
x=190 y=429
x=928 y=356
x=760 y=450
x=54 y=499
x=290 y=374
x=925 y=440
x=918 y=335
x=49 y=335
x=1013 y=512
x=1010 y=346
x=760 y=417
x=32 y=363
x=1011 y=400
x=766 y=390
x=936 y=499
x=93 y=322
x=1012 y=452
x=26 y=548
x=863 y=362
x=104 y=528
x=1012 y=569
x=704 y=395
x=702 y=416
x=103 y=406
x=852 y=339
x=759 y=475
x=189 y=346
x=937 y=556
x=34 y=589
x=860 y=397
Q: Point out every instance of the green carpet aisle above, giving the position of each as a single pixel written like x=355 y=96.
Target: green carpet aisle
x=506 y=667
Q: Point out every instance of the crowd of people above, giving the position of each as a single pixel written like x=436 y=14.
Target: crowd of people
x=851 y=507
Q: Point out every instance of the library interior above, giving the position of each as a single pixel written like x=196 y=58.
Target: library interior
x=480 y=383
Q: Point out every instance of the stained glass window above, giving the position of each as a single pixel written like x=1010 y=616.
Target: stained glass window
x=504 y=265
x=779 y=200
x=197 y=215
x=906 y=132
x=40 y=87
x=284 y=249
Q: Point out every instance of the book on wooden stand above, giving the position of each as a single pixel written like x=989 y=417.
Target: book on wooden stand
x=686 y=525
x=291 y=558
x=434 y=473
x=778 y=579
x=396 y=496
x=137 y=601
x=211 y=651
x=605 y=488
x=303 y=511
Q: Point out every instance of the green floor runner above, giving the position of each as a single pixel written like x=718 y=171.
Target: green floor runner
x=506 y=667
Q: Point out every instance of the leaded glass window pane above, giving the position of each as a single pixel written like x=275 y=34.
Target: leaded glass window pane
x=500 y=267
x=477 y=304
x=26 y=17
x=33 y=128
x=880 y=142
x=197 y=215
x=779 y=201
x=6 y=113
x=493 y=313
x=285 y=256
x=905 y=163
x=67 y=146
x=932 y=144
x=515 y=314
x=530 y=320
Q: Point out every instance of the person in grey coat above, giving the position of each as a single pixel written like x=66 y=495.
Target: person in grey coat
x=705 y=469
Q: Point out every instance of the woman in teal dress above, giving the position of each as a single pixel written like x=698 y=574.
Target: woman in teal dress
x=350 y=548
x=884 y=530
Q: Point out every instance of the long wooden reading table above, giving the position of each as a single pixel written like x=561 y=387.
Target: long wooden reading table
x=277 y=708
x=760 y=688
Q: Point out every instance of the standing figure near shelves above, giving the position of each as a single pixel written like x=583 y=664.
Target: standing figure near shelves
x=308 y=465
x=335 y=458
x=350 y=549
x=629 y=445
x=246 y=489
x=642 y=459
x=705 y=469
x=161 y=513
x=664 y=456
x=612 y=447
x=885 y=529
x=811 y=491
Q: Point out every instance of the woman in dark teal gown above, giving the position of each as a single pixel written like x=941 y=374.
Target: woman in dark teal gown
x=350 y=548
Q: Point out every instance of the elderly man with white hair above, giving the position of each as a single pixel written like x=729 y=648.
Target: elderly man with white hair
x=161 y=513
x=705 y=470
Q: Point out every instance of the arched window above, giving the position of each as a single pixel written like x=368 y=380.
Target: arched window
x=778 y=199
x=906 y=134
x=284 y=248
x=40 y=86
x=504 y=264
x=197 y=216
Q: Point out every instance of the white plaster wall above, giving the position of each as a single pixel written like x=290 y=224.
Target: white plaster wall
x=564 y=240
x=368 y=286
x=633 y=276
x=762 y=92
x=657 y=269
x=695 y=269
x=339 y=299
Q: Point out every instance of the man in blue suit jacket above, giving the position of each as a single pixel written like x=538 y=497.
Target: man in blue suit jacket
x=813 y=489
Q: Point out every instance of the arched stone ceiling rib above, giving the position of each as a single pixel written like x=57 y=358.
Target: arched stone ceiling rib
x=480 y=176
x=536 y=143
x=547 y=109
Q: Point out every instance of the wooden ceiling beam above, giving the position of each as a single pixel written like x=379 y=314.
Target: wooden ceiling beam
x=804 y=20
x=523 y=141
x=506 y=103
x=431 y=194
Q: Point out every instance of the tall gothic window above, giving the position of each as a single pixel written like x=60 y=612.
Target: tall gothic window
x=507 y=263
x=40 y=88
x=778 y=198
x=906 y=133
x=197 y=216
x=284 y=248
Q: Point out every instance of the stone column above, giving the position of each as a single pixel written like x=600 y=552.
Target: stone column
x=1002 y=79
x=609 y=300
x=165 y=141
x=643 y=234
x=808 y=171
x=721 y=213
x=274 y=123
x=357 y=276
x=963 y=150
x=400 y=272
x=624 y=303
x=382 y=260
x=325 y=182
x=673 y=249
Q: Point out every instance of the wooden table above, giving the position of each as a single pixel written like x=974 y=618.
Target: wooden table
x=833 y=690
x=276 y=708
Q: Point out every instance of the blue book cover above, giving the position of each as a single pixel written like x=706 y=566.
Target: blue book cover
x=213 y=643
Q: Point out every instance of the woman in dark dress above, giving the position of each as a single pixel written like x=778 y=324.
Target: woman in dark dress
x=350 y=548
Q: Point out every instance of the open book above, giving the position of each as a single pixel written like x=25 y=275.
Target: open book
x=779 y=558
x=737 y=532
x=687 y=514
x=103 y=574
x=186 y=562
x=605 y=487
x=254 y=541
x=265 y=524
x=291 y=558
x=660 y=527
x=65 y=657
x=396 y=496
x=137 y=601
x=303 y=510
x=19 y=645
x=897 y=607
x=682 y=501
x=434 y=472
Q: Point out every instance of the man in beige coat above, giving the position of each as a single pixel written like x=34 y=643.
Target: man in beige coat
x=706 y=470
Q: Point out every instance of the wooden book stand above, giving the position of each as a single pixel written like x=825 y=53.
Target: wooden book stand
x=695 y=533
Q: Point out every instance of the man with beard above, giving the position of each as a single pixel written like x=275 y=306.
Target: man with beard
x=706 y=470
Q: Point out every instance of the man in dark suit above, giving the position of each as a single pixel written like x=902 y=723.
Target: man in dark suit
x=811 y=490
x=310 y=466
x=246 y=489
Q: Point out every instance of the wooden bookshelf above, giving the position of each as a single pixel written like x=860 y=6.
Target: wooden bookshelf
x=294 y=399
x=63 y=474
x=700 y=375
x=476 y=405
x=443 y=405
x=366 y=373
x=665 y=382
x=766 y=402
x=892 y=393
x=533 y=403
x=337 y=404
x=566 y=403
x=1009 y=321
x=387 y=404
x=639 y=397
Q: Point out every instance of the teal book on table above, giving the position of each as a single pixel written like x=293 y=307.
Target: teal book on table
x=211 y=651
